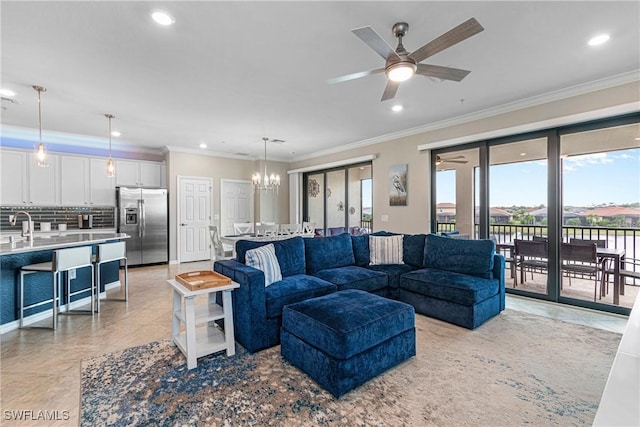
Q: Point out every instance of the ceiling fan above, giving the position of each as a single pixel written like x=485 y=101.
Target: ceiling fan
x=401 y=65
x=456 y=159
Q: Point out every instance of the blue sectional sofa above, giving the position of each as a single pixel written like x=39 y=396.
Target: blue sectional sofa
x=458 y=281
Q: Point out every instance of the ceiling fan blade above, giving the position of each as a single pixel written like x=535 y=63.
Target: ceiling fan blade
x=354 y=76
x=444 y=73
x=448 y=39
x=390 y=90
x=455 y=161
x=375 y=42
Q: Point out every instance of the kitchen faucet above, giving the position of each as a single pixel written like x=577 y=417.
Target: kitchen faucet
x=29 y=232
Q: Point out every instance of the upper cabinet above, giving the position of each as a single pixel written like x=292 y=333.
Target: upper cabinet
x=70 y=180
x=139 y=174
x=84 y=181
x=26 y=183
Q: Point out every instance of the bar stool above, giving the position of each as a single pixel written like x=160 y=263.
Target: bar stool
x=63 y=260
x=108 y=252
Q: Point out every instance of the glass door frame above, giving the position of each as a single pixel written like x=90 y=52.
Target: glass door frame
x=554 y=198
x=324 y=172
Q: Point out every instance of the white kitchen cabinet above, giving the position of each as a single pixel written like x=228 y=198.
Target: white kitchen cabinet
x=44 y=184
x=25 y=183
x=13 y=177
x=74 y=181
x=138 y=174
x=103 y=188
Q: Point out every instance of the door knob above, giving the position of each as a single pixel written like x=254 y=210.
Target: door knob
x=183 y=224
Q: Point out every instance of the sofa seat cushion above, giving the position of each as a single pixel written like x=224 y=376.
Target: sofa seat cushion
x=294 y=289
x=450 y=286
x=393 y=271
x=353 y=277
x=347 y=323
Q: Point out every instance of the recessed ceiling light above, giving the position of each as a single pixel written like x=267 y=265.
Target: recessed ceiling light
x=203 y=145
x=523 y=154
x=397 y=108
x=7 y=92
x=162 y=18
x=637 y=139
x=115 y=133
x=599 y=39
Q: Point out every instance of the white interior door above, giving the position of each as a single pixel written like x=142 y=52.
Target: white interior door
x=236 y=204
x=194 y=216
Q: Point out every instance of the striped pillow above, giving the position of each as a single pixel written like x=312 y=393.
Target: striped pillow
x=385 y=249
x=264 y=259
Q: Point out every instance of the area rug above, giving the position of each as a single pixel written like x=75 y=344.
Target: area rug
x=516 y=369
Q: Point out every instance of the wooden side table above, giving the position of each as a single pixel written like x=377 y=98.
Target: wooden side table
x=201 y=335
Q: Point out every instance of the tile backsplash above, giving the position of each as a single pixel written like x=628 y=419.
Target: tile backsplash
x=103 y=217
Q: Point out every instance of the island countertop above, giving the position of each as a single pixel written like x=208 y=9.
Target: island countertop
x=58 y=241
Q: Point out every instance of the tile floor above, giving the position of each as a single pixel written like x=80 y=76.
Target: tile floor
x=40 y=369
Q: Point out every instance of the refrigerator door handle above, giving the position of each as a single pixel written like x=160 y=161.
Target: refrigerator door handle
x=143 y=220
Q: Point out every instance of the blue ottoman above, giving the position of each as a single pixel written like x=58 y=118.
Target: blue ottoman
x=344 y=339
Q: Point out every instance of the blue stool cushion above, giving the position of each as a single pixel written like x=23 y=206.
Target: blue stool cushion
x=348 y=322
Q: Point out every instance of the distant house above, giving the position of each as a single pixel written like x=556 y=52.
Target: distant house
x=496 y=216
x=540 y=216
x=446 y=212
x=629 y=216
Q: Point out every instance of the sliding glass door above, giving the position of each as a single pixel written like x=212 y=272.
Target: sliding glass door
x=339 y=200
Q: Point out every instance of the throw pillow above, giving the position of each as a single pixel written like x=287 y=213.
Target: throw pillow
x=385 y=249
x=264 y=259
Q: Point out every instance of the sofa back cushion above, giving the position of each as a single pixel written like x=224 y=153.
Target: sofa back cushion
x=328 y=252
x=360 y=246
x=413 y=249
x=474 y=257
x=290 y=254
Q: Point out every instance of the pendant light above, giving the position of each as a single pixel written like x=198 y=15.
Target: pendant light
x=41 y=152
x=266 y=182
x=111 y=167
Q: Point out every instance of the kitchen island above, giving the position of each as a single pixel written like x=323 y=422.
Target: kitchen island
x=14 y=255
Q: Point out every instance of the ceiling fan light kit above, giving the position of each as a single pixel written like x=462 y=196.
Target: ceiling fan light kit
x=401 y=65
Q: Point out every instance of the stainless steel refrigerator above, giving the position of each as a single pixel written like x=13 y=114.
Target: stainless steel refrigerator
x=142 y=214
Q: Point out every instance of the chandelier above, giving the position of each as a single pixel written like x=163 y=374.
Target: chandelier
x=267 y=181
x=41 y=152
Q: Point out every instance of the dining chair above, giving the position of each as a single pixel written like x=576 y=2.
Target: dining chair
x=267 y=230
x=290 y=229
x=64 y=260
x=581 y=259
x=531 y=255
x=334 y=231
x=242 y=227
x=109 y=252
x=308 y=227
x=221 y=250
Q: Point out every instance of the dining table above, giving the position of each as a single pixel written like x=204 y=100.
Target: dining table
x=232 y=239
x=615 y=254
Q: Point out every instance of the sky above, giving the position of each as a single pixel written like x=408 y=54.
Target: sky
x=588 y=180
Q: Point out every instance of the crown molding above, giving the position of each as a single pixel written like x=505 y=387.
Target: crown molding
x=580 y=89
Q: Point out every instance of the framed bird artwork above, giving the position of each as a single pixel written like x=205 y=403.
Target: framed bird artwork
x=398 y=185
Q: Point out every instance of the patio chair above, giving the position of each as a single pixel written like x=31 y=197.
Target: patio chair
x=603 y=261
x=531 y=255
x=581 y=259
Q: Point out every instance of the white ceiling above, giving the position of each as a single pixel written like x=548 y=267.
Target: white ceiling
x=229 y=73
